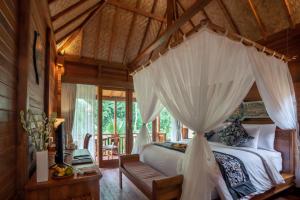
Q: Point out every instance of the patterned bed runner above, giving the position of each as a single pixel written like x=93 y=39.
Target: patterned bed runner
x=232 y=168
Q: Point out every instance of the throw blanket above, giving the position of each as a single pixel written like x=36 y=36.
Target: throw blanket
x=232 y=169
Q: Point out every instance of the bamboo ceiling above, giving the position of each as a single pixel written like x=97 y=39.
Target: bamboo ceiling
x=119 y=30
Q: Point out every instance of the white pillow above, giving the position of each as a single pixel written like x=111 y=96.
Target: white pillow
x=266 y=136
x=253 y=131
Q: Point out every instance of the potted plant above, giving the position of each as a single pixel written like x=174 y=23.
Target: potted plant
x=38 y=127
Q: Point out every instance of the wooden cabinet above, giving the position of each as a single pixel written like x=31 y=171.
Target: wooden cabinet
x=77 y=187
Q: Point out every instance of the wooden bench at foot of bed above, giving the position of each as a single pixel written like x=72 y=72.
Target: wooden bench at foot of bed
x=153 y=184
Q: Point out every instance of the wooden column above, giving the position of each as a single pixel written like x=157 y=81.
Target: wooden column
x=154 y=130
x=129 y=134
x=100 y=152
x=115 y=118
x=23 y=63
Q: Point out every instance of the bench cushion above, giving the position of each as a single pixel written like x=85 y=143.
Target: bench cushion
x=144 y=173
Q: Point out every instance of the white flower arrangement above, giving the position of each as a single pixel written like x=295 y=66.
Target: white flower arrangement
x=38 y=128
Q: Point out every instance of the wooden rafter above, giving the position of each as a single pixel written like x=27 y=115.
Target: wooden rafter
x=183 y=9
x=157 y=36
x=258 y=19
x=147 y=26
x=135 y=10
x=90 y=15
x=76 y=18
x=68 y=9
x=130 y=30
x=68 y=41
x=287 y=8
x=199 y=5
x=228 y=16
x=91 y=61
x=112 y=38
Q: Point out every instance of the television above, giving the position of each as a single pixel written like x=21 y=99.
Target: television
x=60 y=144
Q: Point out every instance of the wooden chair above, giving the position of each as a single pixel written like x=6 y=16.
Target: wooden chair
x=113 y=148
x=86 y=141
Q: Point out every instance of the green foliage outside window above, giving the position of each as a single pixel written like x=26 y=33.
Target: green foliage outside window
x=108 y=108
x=165 y=122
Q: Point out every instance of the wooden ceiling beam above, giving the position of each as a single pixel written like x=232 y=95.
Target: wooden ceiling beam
x=288 y=10
x=228 y=16
x=91 y=61
x=158 y=34
x=77 y=17
x=68 y=9
x=258 y=19
x=130 y=31
x=68 y=41
x=147 y=26
x=112 y=38
x=90 y=15
x=194 y=9
x=183 y=9
x=135 y=10
x=98 y=31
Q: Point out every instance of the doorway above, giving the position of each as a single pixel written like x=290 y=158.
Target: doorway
x=113 y=132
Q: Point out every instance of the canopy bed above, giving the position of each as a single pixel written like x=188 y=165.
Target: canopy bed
x=201 y=82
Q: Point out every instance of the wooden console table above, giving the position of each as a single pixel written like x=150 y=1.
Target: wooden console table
x=78 y=187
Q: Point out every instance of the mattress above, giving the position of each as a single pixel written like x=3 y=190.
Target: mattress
x=169 y=162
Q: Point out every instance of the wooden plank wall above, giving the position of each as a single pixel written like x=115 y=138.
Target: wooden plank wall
x=8 y=85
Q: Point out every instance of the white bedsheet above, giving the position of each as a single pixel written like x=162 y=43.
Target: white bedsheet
x=263 y=166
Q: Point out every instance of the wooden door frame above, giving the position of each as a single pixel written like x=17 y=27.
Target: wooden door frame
x=128 y=133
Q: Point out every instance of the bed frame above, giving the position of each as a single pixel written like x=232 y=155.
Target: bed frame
x=285 y=141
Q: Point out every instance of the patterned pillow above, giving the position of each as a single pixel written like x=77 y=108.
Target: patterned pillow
x=234 y=135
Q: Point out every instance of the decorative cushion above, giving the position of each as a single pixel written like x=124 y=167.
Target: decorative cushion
x=234 y=135
x=253 y=131
x=215 y=137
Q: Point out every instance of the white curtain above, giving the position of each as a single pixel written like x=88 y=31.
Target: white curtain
x=68 y=99
x=201 y=82
x=175 y=130
x=86 y=116
x=148 y=104
x=275 y=86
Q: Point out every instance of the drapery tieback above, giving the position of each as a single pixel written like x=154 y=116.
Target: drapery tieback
x=144 y=124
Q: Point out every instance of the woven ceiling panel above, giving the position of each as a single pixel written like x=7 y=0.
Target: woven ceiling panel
x=272 y=14
x=121 y=31
x=106 y=20
x=217 y=16
x=295 y=8
x=90 y=32
x=244 y=19
x=137 y=36
x=75 y=47
x=74 y=13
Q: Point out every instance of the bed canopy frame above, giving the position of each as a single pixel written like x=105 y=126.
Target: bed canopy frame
x=220 y=30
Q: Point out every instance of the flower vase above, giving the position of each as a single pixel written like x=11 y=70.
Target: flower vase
x=42 y=169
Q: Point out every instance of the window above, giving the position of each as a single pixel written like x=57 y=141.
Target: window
x=165 y=123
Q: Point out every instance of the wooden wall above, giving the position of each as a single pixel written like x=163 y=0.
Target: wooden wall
x=8 y=85
x=96 y=72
